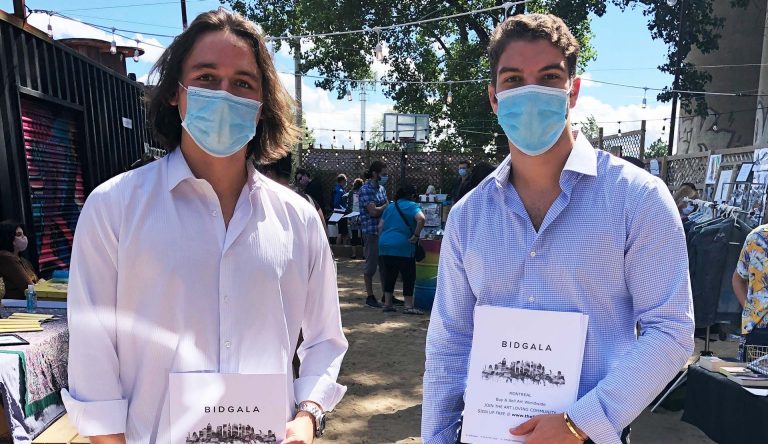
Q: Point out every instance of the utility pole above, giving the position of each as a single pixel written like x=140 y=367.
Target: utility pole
x=184 y=13
x=363 y=98
x=676 y=82
x=297 y=81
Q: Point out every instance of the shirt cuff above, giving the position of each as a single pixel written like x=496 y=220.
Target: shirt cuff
x=95 y=418
x=319 y=389
x=588 y=415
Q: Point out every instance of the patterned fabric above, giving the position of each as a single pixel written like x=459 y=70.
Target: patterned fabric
x=369 y=193
x=44 y=361
x=611 y=246
x=753 y=267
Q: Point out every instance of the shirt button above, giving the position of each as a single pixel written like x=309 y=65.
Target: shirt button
x=228 y=344
x=214 y=213
x=531 y=299
x=226 y=298
x=533 y=254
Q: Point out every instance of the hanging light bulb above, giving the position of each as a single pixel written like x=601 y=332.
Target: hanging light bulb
x=671 y=2
x=378 y=52
x=619 y=128
x=449 y=99
x=349 y=95
x=50 y=27
x=350 y=136
x=334 y=138
x=714 y=125
x=645 y=92
x=136 y=53
x=113 y=46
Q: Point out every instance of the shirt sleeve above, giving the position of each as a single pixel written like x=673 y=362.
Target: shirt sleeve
x=656 y=275
x=449 y=341
x=742 y=267
x=324 y=343
x=94 y=401
x=12 y=271
x=365 y=198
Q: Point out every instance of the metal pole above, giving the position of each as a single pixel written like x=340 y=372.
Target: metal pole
x=297 y=82
x=184 y=13
x=363 y=99
x=676 y=82
x=642 y=140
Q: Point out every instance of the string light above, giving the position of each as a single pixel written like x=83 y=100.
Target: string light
x=449 y=99
x=349 y=95
x=50 y=27
x=619 y=128
x=671 y=2
x=113 y=46
x=136 y=53
x=381 y=51
x=714 y=125
x=645 y=93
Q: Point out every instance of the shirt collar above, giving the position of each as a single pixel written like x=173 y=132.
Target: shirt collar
x=581 y=160
x=178 y=171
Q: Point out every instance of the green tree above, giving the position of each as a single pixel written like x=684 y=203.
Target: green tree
x=657 y=149
x=590 y=128
x=455 y=49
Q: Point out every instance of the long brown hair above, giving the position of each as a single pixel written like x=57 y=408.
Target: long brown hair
x=276 y=131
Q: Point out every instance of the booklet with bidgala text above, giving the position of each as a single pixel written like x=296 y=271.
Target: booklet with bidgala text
x=232 y=408
x=523 y=363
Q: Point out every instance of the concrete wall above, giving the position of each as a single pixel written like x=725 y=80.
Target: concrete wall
x=733 y=117
x=761 y=115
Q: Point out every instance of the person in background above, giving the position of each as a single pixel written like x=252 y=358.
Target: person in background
x=280 y=170
x=17 y=272
x=686 y=191
x=430 y=190
x=463 y=172
x=399 y=230
x=478 y=174
x=302 y=180
x=373 y=201
x=338 y=202
x=353 y=205
x=197 y=263
x=634 y=161
x=749 y=284
x=314 y=189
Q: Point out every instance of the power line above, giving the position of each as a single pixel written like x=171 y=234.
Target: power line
x=127 y=21
x=506 y=6
x=135 y=5
x=738 y=65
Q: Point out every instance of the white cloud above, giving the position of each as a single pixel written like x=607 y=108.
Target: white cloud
x=323 y=111
x=65 y=28
x=608 y=115
x=587 y=82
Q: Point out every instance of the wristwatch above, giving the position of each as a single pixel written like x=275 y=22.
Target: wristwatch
x=318 y=414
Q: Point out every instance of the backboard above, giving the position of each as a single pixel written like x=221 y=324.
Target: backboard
x=406 y=128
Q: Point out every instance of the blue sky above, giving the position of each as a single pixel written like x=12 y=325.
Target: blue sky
x=625 y=54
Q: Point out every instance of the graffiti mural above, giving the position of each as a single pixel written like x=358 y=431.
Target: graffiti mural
x=698 y=134
x=55 y=181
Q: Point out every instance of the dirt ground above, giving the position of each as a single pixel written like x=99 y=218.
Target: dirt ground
x=383 y=373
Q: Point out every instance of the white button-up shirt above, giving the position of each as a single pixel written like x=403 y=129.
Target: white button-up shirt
x=159 y=285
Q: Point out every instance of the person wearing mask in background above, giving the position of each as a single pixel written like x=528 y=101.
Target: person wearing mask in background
x=302 y=180
x=373 y=201
x=563 y=216
x=463 y=176
x=339 y=203
x=399 y=230
x=686 y=191
x=353 y=205
x=478 y=174
x=17 y=272
x=197 y=263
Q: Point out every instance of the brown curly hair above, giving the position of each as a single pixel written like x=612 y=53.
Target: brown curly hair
x=276 y=131
x=533 y=27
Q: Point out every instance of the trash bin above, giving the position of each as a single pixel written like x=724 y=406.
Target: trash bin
x=426 y=275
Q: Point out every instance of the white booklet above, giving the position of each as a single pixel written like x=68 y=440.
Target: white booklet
x=523 y=363
x=217 y=407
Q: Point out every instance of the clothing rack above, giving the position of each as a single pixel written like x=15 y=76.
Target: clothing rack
x=725 y=211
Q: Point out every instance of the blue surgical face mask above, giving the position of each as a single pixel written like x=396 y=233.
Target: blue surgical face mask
x=383 y=180
x=533 y=117
x=462 y=172
x=220 y=123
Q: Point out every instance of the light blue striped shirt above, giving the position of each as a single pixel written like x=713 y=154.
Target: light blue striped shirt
x=611 y=246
